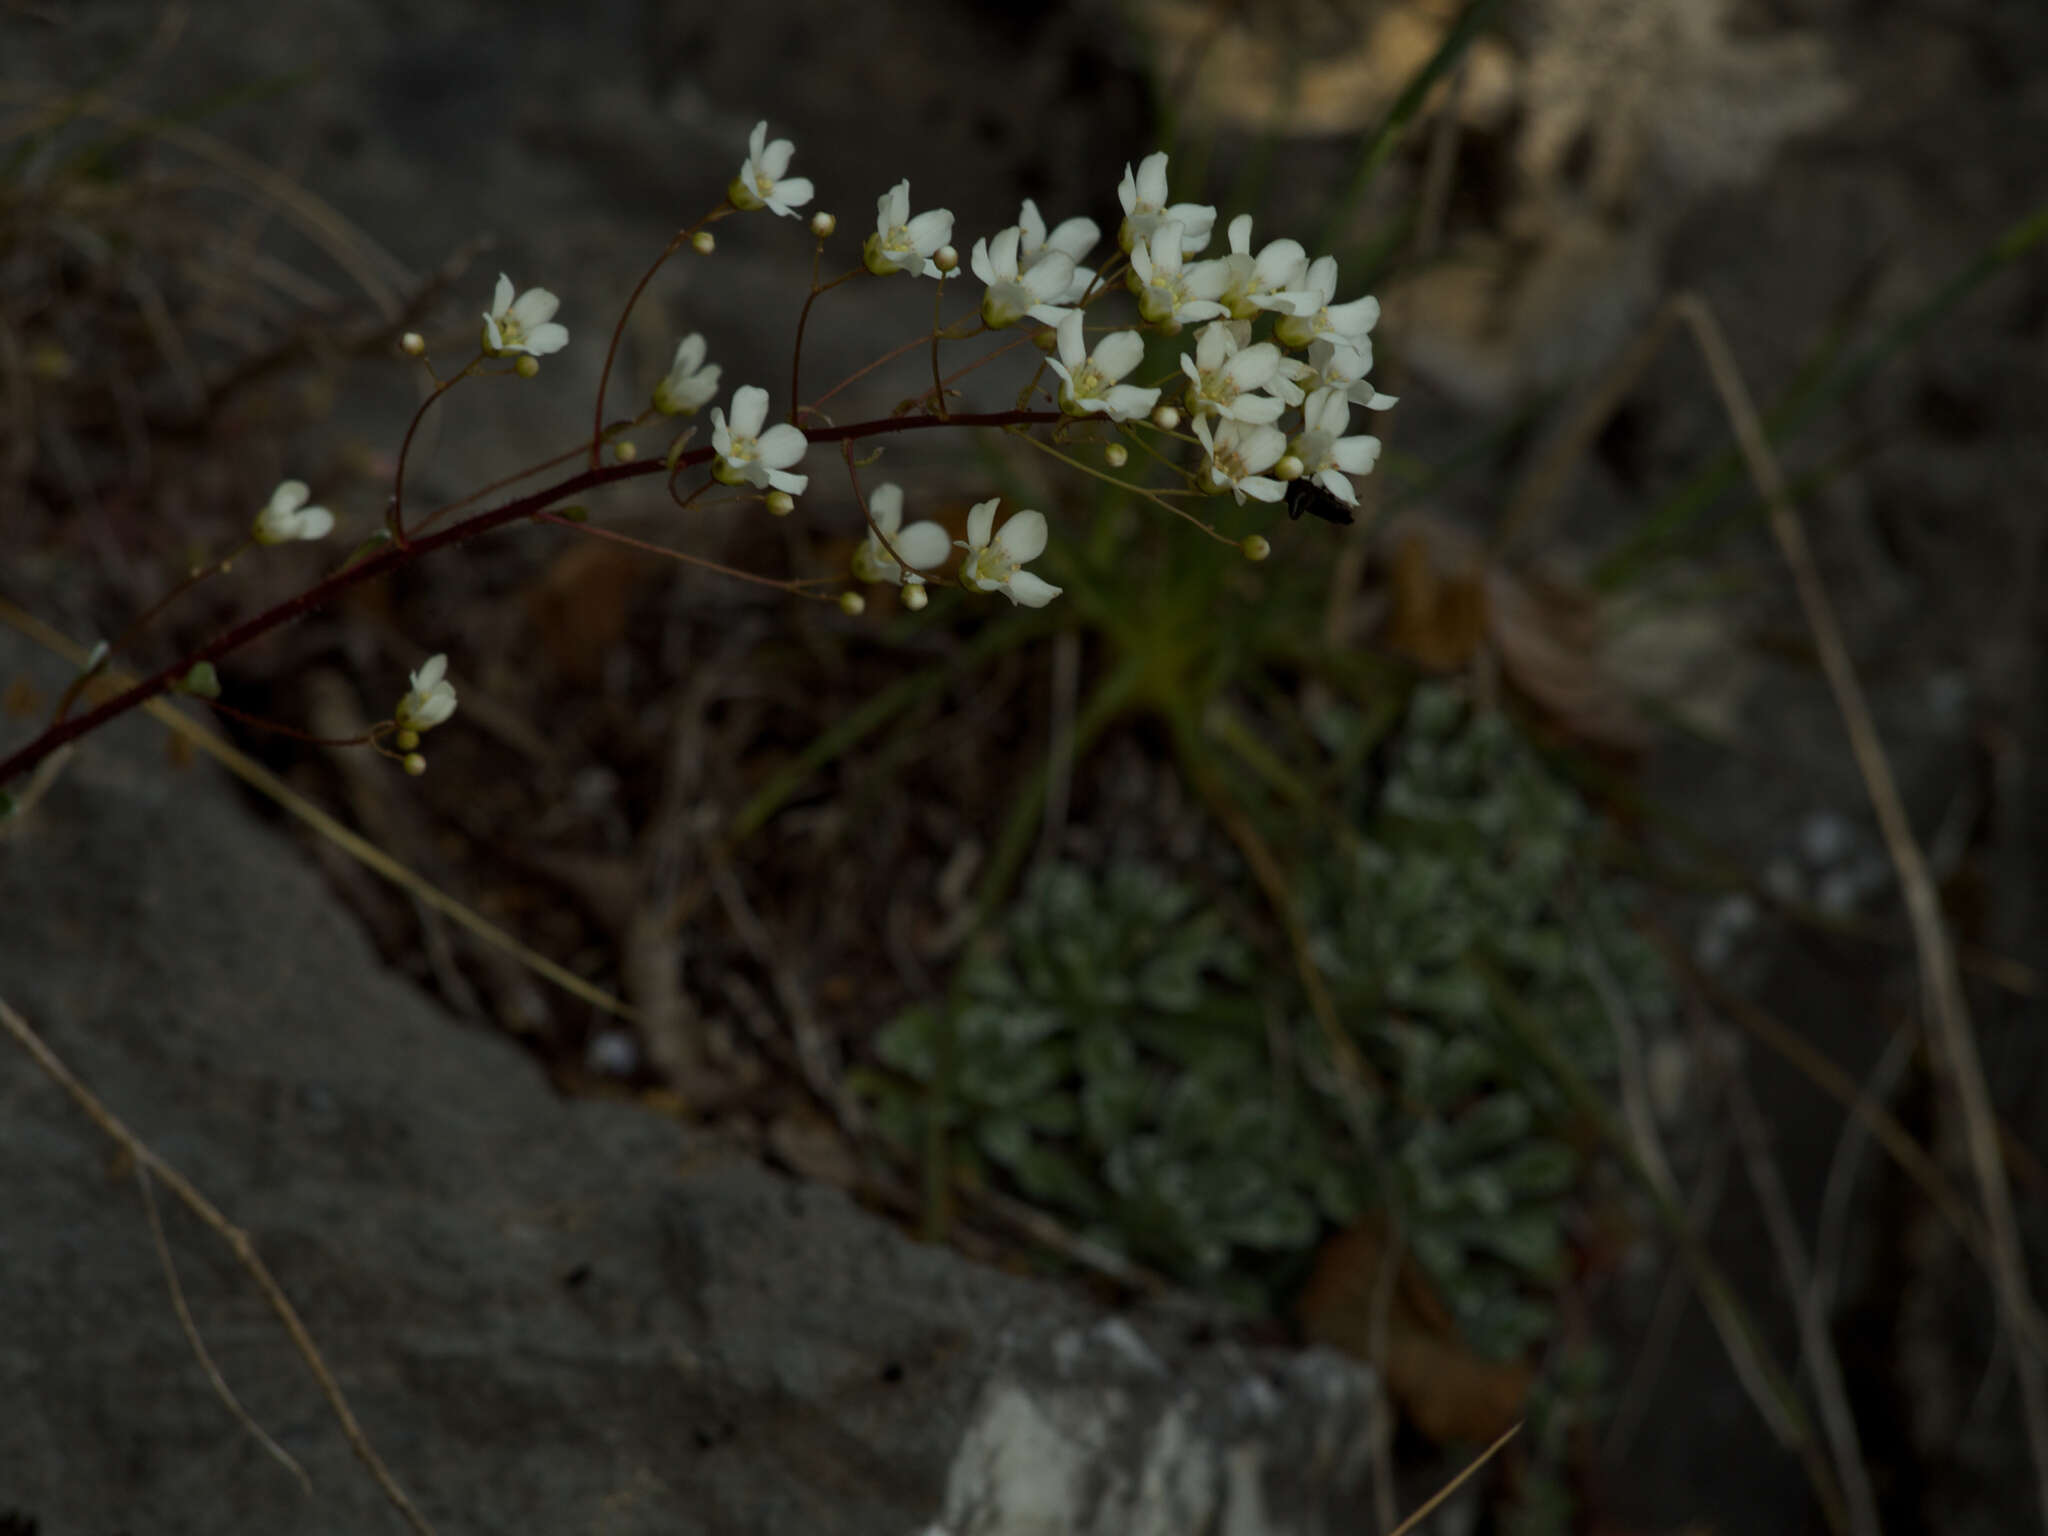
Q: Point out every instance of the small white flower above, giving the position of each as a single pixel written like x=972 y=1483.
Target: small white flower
x=761 y=182
x=1223 y=374
x=1015 y=291
x=525 y=324
x=1237 y=453
x=1091 y=382
x=1307 y=312
x=1143 y=194
x=995 y=564
x=901 y=243
x=689 y=385
x=288 y=517
x=922 y=545
x=1167 y=291
x=1074 y=238
x=1325 y=452
x=431 y=700
x=1343 y=365
x=1255 y=283
x=749 y=456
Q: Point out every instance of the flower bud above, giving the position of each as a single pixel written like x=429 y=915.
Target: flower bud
x=852 y=604
x=1289 y=467
x=946 y=259
x=405 y=741
x=415 y=764
x=527 y=367
x=915 y=596
x=625 y=450
x=413 y=344
x=703 y=243
x=780 y=503
x=823 y=224
x=1256 y=547
x=1165 y=418
x=1116 y=455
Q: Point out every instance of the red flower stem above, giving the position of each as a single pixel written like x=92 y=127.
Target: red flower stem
x=324 y=592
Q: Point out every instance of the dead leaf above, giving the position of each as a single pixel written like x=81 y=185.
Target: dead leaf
x=1439 y=1384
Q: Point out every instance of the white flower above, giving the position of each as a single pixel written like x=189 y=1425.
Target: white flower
x=1091 y=382
x=1168 y=292
x=1325 y=452
x=1143 y=194
x=761 y=183
x=922 y=545
x=288 y=517
x=749 y=456
x=1344 y=365
x=1237 y=454
x=1015 y=291
x=901 y=243
x=1256 y=282
x=1074 y=238
x=1223 y=374
x=525 y=324
x=432 y=699
x=1307 y=312
x=689 y=384
x=996 y=564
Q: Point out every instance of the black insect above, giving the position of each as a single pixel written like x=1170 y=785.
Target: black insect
x=1305 y=495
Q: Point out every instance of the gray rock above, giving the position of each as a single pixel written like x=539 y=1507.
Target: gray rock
x=549 y=1316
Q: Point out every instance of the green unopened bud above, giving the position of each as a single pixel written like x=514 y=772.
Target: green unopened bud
x=915 y=596
x=1166 y=418
x=780 y=503
x=406 y=740
x=1116 y=455
x=625 y=450
x=1256 y=547
x=201 y=682
x=528 y=366
x=946 y=258
x=413 y=344
x=415 y=764
x=703 y=243
x=852 y=604
x=823 y=224
x=1289 y=467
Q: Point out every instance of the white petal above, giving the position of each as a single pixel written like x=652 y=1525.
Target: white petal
x=931 y=229
x=1073 y=349
x=1076 y=236
x=885 y=506
x=782 y=445
x=749 y=410
x=315 y=523
x=1152 y=180
x=534 y=307
x=1023 y=537
x=783 y=480
x=1356 y=455
x=922 y=545
x=543 y=339
x=428 y=675
x=794 y=190
x=494 y=339
x=981 y=522
x=1117 y=354
x=1002 y=252
x=502 y=300
x=721 y=435
x=978 y=262
x=757 y=141
x=289 y=496
x=1032 y=591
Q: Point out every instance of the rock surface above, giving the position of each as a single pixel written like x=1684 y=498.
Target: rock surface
x=549 y=1316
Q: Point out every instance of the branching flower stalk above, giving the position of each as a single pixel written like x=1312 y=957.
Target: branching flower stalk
x=1213 y=424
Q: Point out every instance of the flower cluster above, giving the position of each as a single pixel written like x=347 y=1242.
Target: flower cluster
x=1233 y=388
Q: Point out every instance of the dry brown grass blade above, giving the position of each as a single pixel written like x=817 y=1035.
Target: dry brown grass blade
x=238 y=1243
x=1940 y=977
x=359 y=848
x=1430 y=1504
